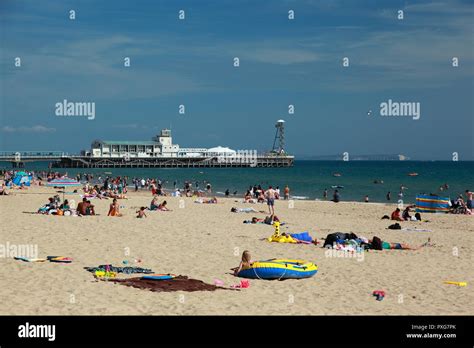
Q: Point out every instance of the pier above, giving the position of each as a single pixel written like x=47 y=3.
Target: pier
x=58 y=159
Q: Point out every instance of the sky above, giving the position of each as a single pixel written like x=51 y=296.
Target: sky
x=283 y=62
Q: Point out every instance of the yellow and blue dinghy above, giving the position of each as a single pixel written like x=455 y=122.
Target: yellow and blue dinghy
x=279 y=269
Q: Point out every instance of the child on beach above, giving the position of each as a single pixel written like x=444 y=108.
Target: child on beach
x=245 y=263
x=141 y=213
x=287 y=192
x=114 y=209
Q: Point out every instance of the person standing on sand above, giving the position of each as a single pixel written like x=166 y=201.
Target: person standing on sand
x=270 y=195
x=389 y=195
x=287 y=192
x=469 y=199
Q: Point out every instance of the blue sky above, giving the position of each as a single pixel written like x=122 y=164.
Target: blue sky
x=282 y=62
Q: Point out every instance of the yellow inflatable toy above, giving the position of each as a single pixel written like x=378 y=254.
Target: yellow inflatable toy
x=277 y=237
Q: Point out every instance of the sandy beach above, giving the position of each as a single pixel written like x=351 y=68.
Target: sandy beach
x=204 y=241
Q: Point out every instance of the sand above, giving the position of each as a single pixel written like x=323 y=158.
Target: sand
x=204 y=241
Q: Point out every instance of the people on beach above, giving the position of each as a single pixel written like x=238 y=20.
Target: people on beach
x=469 y=199
x=325 y=193
x=154 y=203
x=396 y=215
x=270 y=196
x=3 y=190
x=245 y=210
x=246 y=262
x=336 y=196
x=114 y=209
x=378 y=244
x=141 y=213
x=163 y=206
x=366 y=199
x=286 y=193
x=389 y=196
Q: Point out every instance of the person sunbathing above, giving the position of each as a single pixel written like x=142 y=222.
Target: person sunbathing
x=141 y=213
x=114 y=209
x=269 y=220
x=163 y=207
x=396 y=215
x=245 y=210
x=245 y=263
x=378 y=244
x=206 y=201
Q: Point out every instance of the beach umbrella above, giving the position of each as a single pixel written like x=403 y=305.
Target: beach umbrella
x=63 y=182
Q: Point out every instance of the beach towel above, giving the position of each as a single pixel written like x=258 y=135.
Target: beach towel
x=432 y=204
x=179 y=283
x=302 y=237
x=126 y=270
x=415 y=229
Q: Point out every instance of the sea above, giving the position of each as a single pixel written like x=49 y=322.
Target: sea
x=309 y=179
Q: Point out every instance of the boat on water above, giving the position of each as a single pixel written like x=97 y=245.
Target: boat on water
x=412 y=174
x=337 y=174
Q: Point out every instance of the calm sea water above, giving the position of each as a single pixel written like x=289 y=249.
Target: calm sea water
x=310 y=178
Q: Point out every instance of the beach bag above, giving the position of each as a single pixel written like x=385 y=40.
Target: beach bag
x=395 y=226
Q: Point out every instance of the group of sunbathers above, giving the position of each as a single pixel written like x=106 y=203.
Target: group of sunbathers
x=405 y=215
x=101 y=192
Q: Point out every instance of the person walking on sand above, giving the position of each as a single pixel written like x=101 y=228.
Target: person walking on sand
x=270 y=196
x=286 y=193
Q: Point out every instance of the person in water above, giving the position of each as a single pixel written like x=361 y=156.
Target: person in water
x=325 y=193
x=336 y=197
x=245 y=263
x=286 y=193
x=389 y=195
